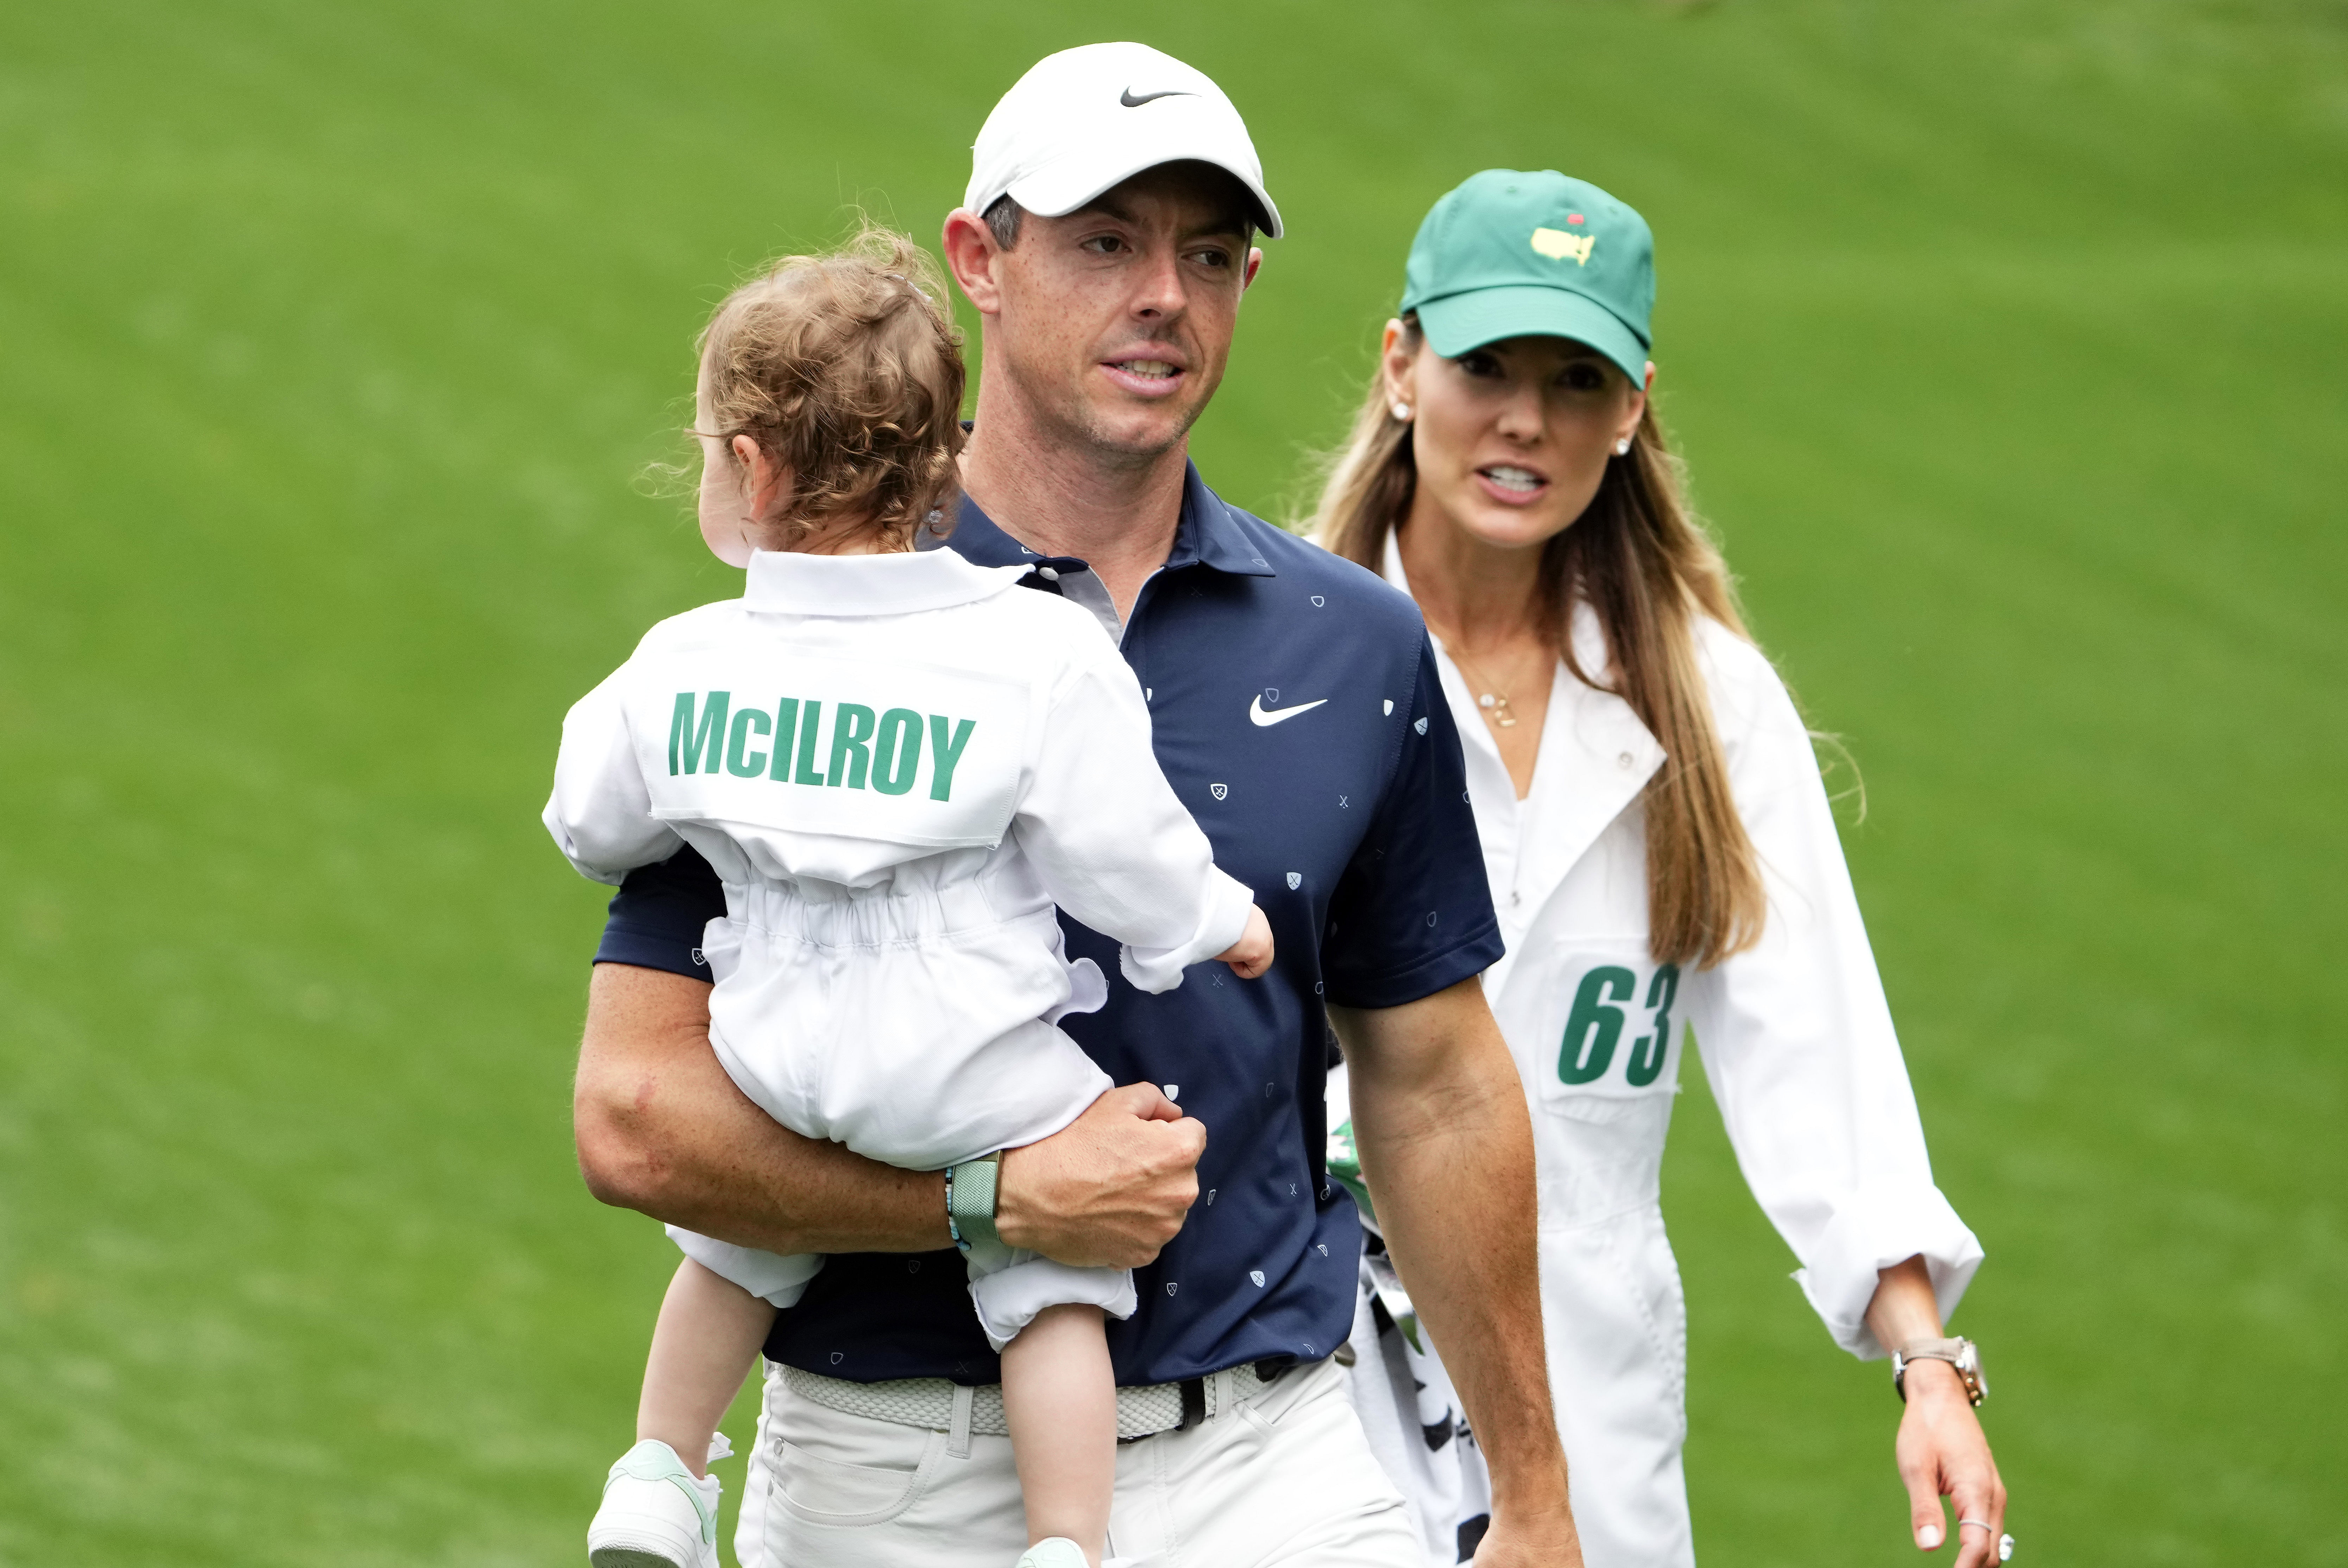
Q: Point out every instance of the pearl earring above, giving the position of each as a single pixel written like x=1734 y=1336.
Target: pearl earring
x=1402 y=412
x=1622 y=447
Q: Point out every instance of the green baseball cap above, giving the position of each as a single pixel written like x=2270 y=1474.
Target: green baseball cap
x=1512 y=254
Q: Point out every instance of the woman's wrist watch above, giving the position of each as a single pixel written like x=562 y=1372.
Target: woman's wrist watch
x=1962 y=1354
x=970 y=1202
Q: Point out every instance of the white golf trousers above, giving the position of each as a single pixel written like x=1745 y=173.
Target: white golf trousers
x=1285 y=1479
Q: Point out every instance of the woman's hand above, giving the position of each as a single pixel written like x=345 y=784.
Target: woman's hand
x=1941 y=1449
x=1942 y=1452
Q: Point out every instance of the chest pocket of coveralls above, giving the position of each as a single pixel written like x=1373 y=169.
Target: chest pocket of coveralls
x=1607 y=1072
x=1618 y=1025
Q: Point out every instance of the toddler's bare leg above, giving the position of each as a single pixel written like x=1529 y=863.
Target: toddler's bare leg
x=709 y=1331
x=1059 y=1398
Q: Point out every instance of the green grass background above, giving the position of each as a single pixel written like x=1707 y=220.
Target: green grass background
x=2009 y=342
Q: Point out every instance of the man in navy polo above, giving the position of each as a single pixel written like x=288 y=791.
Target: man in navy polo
x=1105 y=244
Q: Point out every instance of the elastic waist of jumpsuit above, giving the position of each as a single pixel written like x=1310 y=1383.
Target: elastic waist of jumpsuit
x=875 y=918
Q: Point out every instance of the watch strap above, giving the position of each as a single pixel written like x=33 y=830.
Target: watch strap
x=970 y=1202
x=1959 y=1353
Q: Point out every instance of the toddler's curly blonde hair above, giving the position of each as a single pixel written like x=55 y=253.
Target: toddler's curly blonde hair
x=846 y=369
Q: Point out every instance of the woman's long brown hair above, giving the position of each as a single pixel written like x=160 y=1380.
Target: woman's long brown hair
x=1646 y=567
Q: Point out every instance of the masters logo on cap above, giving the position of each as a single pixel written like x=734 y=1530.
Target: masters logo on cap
x=1085 y=120
x=1559 y=245
x=1517 y=254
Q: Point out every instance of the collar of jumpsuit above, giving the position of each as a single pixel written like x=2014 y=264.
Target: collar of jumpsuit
x=1294 y=710
x=797 y=584
x=1596 y=755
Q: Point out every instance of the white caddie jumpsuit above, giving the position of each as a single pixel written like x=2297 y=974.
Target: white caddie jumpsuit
x=1797 y=1040
x=897 y=766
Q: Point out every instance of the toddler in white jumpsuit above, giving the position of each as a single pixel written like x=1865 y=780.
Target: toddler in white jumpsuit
x=898 y=764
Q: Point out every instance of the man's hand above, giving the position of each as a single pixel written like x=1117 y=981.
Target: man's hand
x=1542 y=1543
x=1107 y=1190
x=1943 y=1454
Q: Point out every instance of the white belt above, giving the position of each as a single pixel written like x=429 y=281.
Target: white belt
x=941 y=1406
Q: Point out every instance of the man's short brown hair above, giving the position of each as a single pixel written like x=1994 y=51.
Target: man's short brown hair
x=1003 y=214
x=846 y=369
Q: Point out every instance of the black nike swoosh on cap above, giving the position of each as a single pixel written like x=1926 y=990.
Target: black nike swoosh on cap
x=1130 y=101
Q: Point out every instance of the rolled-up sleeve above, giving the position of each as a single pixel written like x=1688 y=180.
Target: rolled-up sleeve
x=1799 y=1046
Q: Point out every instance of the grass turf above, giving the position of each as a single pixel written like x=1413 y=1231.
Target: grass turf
x=2006 y=341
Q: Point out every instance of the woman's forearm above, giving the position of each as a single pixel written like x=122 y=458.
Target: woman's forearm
x=1904 y=1306
x=1941 y=1449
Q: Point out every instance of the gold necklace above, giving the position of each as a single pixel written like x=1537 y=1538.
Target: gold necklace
x=1495 y=703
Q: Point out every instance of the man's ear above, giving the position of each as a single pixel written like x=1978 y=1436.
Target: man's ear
x=971 y=251
x=1254 y=265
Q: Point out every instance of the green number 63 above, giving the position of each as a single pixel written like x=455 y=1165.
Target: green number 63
x=1595 y=1026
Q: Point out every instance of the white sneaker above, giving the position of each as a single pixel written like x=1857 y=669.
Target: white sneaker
x=1053 y=1552
x=655 y=1513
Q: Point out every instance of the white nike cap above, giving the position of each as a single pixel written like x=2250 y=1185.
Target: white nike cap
x=1082 y=119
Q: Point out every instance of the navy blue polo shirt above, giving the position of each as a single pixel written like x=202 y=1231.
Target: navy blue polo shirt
x=1296 y=711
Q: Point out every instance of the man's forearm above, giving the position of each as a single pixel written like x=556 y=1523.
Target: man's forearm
x=1446 y=1143
x=662 y=1129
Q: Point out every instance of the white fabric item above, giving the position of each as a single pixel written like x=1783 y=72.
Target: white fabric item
x=1086 y=118
x=1412 y=1418
x=897 y=766
x=1797 y=1040
x=1010 y=1294
x=1283 y=1480
x=780 y=1279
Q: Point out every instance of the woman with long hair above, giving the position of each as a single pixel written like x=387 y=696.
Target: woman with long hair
x=1664 y=863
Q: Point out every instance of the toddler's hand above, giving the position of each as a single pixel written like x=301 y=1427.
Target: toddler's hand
x=1251 y=954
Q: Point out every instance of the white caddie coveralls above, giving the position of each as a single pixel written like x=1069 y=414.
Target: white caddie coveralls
x=1797 y=1040
x=898 y=764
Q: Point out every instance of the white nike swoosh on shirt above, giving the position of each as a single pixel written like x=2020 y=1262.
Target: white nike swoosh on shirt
x=1259 y=714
